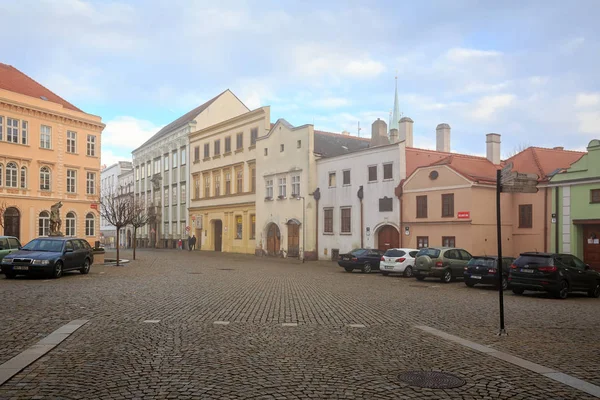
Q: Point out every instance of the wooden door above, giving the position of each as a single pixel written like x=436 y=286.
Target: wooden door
x=591 y=246
x=12 y=223
x=388 y=238
x=293 y=240
x=218 y=235
x=273 y=240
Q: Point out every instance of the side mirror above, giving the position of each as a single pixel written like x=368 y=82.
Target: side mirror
x=587 y=266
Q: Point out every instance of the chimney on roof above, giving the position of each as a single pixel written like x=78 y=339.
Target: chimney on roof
x=394 y=135
x=345 y=133
x=558 y=148
x=443 y=138
x=406 y=131
x=492 y=143
x=379 y=133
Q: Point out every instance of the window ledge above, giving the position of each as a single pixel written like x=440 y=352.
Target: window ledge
x=328 y=233
x=206 y=158
x=239 y=150
x=388 y=179
x=73 y=154
x=331 y=187
x=346 y=185
x=87 y=155
x=252 y=147
x=372 y=181
x=43 y=148
x=281 y=198
x=216 y=157
x=346 y=233
x=268 y=199
x=227 y=153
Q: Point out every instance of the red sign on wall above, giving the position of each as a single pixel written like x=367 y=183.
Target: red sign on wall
x=464 y=214
x=94 y=206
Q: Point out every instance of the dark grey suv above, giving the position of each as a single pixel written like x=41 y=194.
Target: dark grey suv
x=445 y=263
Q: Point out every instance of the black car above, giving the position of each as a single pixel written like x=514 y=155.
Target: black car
x=49 y=256
x=366 y=260
x=484 y=270
x=559 y=274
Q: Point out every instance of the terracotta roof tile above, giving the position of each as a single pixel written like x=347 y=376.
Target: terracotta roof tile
x=13 y=80
x=476 y=169
x=416 y=158
x=543 y=161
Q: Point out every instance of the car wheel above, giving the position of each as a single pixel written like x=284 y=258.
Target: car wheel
x=595 y=290
x=469 y=283
x=420 y=278
x=385 y=273
x=518 y=290
x=348 y=269
x=447 y=277
x=504 y=283
x=563 y=290
x=366 y=268
x=58 y=270
x=408 y=272
x=86 y=267
x=10 y=275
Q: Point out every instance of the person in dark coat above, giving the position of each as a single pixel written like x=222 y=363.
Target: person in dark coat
x=193 y=243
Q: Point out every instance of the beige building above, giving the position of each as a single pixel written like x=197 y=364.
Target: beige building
x=223 y=175
x=49 y=152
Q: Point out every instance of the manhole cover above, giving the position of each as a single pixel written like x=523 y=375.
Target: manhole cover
x=226 y=269
x=431 y=379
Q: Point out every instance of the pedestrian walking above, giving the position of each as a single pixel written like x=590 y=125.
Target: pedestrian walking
x=180 y=244
x=189 y=243
x=193 y=241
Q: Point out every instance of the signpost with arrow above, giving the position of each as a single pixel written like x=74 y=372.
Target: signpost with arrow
x=509 y=181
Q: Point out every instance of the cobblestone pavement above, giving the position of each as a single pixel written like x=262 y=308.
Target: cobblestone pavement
x=186 y=356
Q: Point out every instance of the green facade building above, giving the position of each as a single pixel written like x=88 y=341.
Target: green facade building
x=576 y=208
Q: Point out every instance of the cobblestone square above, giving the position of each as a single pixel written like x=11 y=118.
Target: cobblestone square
x=181 y=325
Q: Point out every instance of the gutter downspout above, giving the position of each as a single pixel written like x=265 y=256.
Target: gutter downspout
x=398 y=192
x=557 y=230
x=546 y=219
x=360 y=195
x=317 y=196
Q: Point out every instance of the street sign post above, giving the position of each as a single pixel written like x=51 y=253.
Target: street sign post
x=509 y=181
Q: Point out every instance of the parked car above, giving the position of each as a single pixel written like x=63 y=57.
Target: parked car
x=50 y=256
x=398 y=261
x=484 y=270
x=445 y=263
x=366 y=260
x=8 y=244
x=559 y=274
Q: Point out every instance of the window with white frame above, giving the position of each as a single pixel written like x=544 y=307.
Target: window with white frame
x=183 y=196
x=269 y=188
x=149 y=169
x=1 y=173
x=71 y=181
x=90 y=225
x=1 y=128
x=166 y=162
x=183 y=156
x=44 y=178
x=45 y=137
x=70 y=224
x=90 y=187
x=24 y=132
x=296 y=185
x=174 y=157
x=11 y=175
x=331 y=181
x=71 y=142
x=91 y=145
x=12 y=130
x=207 y=186
x=44 y=223
x=23 y=177
x=282 y=187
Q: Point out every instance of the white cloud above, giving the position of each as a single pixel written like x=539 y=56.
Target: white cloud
x=589 y=122
x=487 y=106
x=109 y=158
x=584 y=100
x=481 y=87
x=126 y=133
x=570 y=45
x=331 y=102
x=462 y=55
x=363 y=69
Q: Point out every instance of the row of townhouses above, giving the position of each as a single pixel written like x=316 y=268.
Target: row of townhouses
x=240 y=183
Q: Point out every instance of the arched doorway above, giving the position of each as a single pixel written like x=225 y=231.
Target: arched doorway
x=293 y=227
x=218 y=234
x=273 y=240
x=388 y=238
x=12 y=222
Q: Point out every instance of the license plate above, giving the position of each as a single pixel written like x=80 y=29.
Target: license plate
x=346 y=259
x=20 y=268
x=475 y=276
x=389 y=267
x=527 y=271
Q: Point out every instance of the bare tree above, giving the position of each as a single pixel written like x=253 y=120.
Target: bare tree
x=3 y=207
x=517 y=149
x=118 y=210
x=140 y=219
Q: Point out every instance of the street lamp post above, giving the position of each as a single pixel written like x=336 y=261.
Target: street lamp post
x=303 y=223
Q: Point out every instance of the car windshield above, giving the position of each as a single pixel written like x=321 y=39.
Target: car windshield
x=433 y=253
x=358 y=252
x=534 y=260
x=43 y=245
x=394 y=253
x=483 y=262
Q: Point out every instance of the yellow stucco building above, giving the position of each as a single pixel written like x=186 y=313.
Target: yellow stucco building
x=223 y=198
x=49 y=152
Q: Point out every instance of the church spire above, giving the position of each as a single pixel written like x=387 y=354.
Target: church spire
x=396 y=112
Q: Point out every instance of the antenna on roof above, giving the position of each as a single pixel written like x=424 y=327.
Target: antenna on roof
x=358 y=128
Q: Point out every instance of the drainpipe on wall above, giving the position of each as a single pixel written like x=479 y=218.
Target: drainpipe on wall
x=398 y=192
x=556 y=228
x=546 y=219
x=360 y=195
x=317 y=195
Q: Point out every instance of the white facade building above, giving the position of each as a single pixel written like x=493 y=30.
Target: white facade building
x=110 y=186
x=162 y=169
x=125 y=184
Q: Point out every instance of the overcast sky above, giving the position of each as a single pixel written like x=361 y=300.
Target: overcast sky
x=528 y=70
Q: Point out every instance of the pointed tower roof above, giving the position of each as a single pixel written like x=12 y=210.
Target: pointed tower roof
x=396 y=113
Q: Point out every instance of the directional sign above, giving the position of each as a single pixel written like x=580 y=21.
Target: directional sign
x=519 y=189
x=507 y=168
x=520 y=182
x=512 y=176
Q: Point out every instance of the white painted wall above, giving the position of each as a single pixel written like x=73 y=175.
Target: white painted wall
x=346 y=195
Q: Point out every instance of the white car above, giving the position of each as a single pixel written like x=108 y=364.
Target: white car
x=398 y=261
